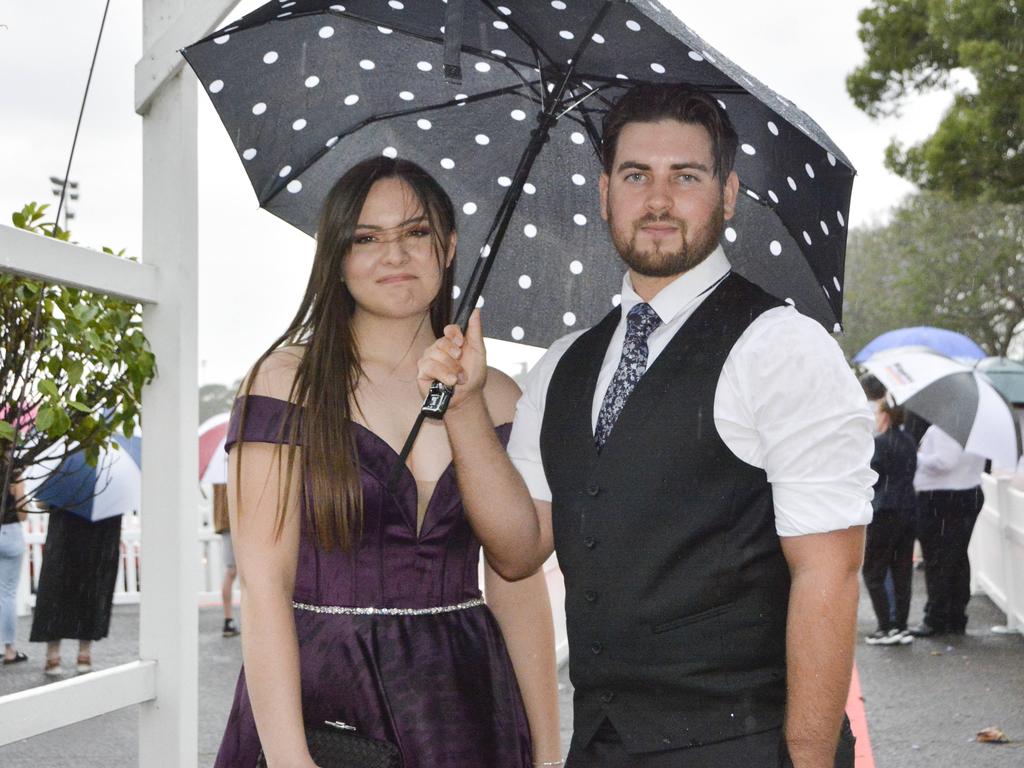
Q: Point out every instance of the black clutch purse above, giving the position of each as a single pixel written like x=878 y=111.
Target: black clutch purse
x=336 y=745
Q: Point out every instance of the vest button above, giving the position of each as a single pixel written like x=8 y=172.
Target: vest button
x=596 y=647
x=593 y=489
x=591 y=596
x=608 y=697
x=590 y=542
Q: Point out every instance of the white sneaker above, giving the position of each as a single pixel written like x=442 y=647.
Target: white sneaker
x=905 y=637
x=883 y=637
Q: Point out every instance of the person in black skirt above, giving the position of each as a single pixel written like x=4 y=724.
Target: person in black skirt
x=889 y=547
x=76 y=586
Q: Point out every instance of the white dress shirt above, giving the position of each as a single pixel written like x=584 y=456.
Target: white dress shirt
x=943 y=465
x=786 y=403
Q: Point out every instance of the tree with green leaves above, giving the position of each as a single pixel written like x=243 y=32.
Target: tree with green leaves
x=954 y=264
x=73 y=364
x=915 y=46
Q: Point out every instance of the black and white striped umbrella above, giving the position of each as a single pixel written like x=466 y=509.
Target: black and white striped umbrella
x=503 y=102
x=954 y=397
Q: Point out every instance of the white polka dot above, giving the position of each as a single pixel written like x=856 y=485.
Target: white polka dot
x=406 y=96
x=775 y=247
x=447 y=163
x=340 y=8
x=529 y=189
x=498 y=52
x=504 y=181
x=312 y=81
x=284 y=171
x=565 y=34
x=216 y=86
x=577 y=137
x=695 y=56
x=485 y=251
x=753 y=195
x=824 y=227
x=460 y=97
x=249 y=154
x=390 y=152
x=299 y=124
x=424 y=66
x=294 y=186
x=837 y=328
x=825 y=289
x=222 y=39
x=367 y=64
x=721 y=103
x=331 y=141
x=773 y=196
x=621 y=76
x=790 y=302
x=792 y=184
x=502 y=25
x=616 y=299
x=840 y=219
x=807 y=238
x=659 y=68
x=482 y=139
x=326 y=32
x=518 y=114
x=835 y=282
x=504 y=11
x=633 y=25
x=423 y=124
x=809 y=170
x=576 y=267
x=385 y=30
x=480 y=302
x=456 y=291
x=517 y=333
x=730 y=234
x=579 y=219
x=748 y=149
x=482 y=66
x=396 y=5
x=558 y=5
x=831 y=159
x=284 y=15
x=469 y=209
x=773 y=128
x=351 y=99
x=569 y=318
x=599 y=39
x=259 y=109
x=579 y=179
x=270 y=57
x=530 y=230
x=287 y=5
x=525 y=282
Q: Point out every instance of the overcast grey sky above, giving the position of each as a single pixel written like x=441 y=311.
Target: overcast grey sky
x=253 y=267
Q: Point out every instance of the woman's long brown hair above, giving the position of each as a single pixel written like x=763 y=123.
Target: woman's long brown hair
x=329 y=370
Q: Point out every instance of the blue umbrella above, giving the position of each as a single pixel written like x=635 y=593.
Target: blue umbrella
x=111 y=488
x=940 y=340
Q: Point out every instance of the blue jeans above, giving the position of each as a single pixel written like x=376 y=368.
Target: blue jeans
x=12 y=549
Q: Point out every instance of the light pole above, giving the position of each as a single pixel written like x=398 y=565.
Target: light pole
x=58 y=188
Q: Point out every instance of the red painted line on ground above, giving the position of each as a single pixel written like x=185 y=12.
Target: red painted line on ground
x=859 y=723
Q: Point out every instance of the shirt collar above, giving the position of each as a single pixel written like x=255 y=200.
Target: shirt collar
x=681 y=292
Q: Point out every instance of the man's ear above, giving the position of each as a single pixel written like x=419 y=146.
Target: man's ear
x=452 y=242
x=602 y=185
x=729 y=194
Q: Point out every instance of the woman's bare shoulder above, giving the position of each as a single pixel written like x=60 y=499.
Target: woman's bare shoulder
x=275 y=376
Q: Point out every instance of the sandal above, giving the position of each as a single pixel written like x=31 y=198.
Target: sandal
x=83 y=664
x=18 y=656
x=52 y=668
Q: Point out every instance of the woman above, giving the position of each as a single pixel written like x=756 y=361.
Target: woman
x=312 y=443
x=12 y=549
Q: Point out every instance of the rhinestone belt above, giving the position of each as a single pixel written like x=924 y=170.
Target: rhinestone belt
x=347 y=611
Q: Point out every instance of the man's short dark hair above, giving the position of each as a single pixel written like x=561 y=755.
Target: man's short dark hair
x=686 y=103
x=873 y=388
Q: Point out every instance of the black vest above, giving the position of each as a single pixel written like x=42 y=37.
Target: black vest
x=676 y=586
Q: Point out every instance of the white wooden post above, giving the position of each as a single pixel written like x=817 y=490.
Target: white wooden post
x=168 y=626
x=1006 y=543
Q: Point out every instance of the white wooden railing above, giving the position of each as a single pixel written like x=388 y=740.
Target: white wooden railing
x=997 y=550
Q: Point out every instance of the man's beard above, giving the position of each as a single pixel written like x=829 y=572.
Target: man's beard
x=659 y=263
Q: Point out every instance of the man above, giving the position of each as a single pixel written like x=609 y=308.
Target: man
x=949 y=498
x=700 y=461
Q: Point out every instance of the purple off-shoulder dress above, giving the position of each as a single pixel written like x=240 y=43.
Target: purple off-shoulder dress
x=440 y=686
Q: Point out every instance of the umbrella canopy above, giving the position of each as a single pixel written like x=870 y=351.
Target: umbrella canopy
x=952 y=396
x=940 y=340
x=308 y=88
x=1006 y=375
x=113 y=487
x=213 y=461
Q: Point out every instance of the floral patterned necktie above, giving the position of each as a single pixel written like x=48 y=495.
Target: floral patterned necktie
x=640 y=323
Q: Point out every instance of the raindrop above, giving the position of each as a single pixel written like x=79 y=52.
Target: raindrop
x=576 y=267
x=517 y=333
x=299 y=124
x=447 y=163
x=216 y=86
x=406 y=96
x=525 y=282
x=730 y=234
x=249 y=154
x=294 y=186
x=312 y=81
x=367 y=64
x=577 y=137
x=390 y=152
x=423 y=124
x=482 y=139
x=351 y=99
x=569 y=318
x=518 y=114
x=580 y=219
x=326 y=32
x=259 y=109
x=469 y=209
x=775 y=247
x=579 y=179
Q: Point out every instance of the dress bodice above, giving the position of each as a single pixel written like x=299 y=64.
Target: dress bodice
x=391 y=565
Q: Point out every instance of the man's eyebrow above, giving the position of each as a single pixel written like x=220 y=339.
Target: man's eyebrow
x=635 y=165
x=413 y=220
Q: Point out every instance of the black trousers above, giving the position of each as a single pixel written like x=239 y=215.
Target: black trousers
x=759 y=750
x=945 y=522
x=890 y=545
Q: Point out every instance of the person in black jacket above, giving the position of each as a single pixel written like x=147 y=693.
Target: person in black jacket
x=890 y=536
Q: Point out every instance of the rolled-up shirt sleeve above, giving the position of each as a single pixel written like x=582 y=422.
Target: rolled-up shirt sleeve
x=788 y=402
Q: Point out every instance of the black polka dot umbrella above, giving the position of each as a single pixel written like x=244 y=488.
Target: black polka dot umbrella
x=505 y=110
